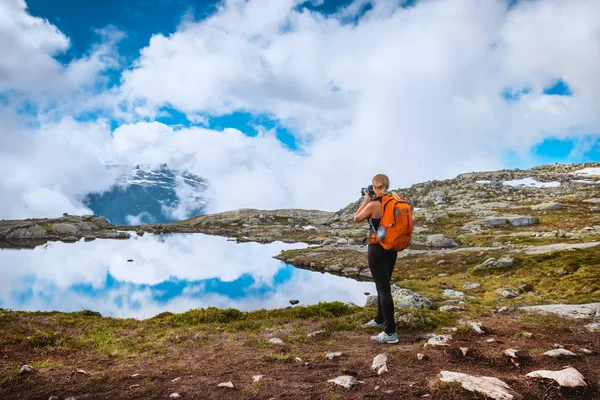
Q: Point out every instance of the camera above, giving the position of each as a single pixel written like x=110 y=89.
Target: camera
x=369 y=190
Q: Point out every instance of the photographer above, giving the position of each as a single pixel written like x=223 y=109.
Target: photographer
x=381 y=261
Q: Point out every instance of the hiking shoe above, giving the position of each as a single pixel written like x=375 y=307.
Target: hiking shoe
x=385 y=338
x=372 y=324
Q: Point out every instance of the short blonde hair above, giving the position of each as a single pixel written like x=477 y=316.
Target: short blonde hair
x=381 y=180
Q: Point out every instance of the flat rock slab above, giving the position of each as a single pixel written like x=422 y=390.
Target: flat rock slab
x=345 y=381
x=490 y=387
x=568 y=377
x=576 y=311
x=549 y=248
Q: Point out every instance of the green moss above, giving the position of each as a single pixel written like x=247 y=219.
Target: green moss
x=425 y=320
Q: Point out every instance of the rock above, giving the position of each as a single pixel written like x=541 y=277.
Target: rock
x=53 y=398
x=492 y=263
x=453 y=293
x=89 y=238
x=421 y=357
x=257 y=378
x=130 y=260
x=576 y=311
x=174 y=396
x=82 y=372
x=478 y=328
x=586 y=351
x=101 y=222
x=226 y=385
x=317 y=334
x=442 y=262
x=440 y=241
x=507 y=293
x=176 y=379
x=71 y=398
x=551 y=206
x=276 y=341
x=593 y=327
x=490 y=387
x=524 y=288
x=379 y=364
x=439 y=340
x=371 y=301
x=559 y=353
x=31 y=232
x=345 y=381
x=518 y=357
x=407 y=298
x=471 y=285
x=366 y=293
x=450 y=308
x=294 y=302
x=26 y=369
x=568 y=377
x=442 y=275
x=63 y=228
x=331 y=356
x=69 y=239
x=522 y=220
x=562 y=272
x=135 y=376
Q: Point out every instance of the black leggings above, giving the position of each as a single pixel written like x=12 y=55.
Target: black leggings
x=381 y=264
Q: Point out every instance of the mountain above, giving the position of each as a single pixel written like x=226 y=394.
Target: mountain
x=150 y=194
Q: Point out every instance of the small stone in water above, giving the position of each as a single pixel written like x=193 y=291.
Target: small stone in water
x=130 y=260
x=366 y=293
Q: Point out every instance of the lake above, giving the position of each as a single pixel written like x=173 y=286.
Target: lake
x=167 y=273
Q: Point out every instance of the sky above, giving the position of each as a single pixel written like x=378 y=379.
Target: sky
x=289 y=103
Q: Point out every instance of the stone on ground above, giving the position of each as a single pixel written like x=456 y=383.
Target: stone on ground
x=26 y=369
x=404 y=298
x=174 y=396
x=331 y=356
x=276 y=341
x=380 y=364
x=576 y=311
x=226 y=385
x=568 y=377
x=345 y=381
x=490 y=387
x=439 y=340
x=560 y=353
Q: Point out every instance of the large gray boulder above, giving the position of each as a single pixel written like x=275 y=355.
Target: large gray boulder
x=64 y=228
x=31 y=232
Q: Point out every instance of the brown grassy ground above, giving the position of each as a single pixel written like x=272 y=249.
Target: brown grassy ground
x=204 y=348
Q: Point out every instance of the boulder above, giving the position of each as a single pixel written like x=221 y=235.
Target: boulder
x=372 y=301
x=63 y=228
x=507 y=293
x=576 y=311
x=492 y=263
x=31 y=232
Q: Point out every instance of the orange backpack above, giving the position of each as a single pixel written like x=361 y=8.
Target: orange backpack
x=396 y=226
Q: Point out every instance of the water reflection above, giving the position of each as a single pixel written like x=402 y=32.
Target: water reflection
x=168 y=273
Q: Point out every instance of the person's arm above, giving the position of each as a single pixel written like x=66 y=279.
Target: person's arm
x=364 y=211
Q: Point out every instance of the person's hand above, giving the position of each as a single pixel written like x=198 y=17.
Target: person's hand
x=367 y=197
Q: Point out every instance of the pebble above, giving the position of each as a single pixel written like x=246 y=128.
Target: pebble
x=276 y=341
x=439 y=340
x=226 y=385
x=380 y=364
x=53 y=398
x=585 y=351
x=174 y=395
x=176 y=379
x=82 y=372
x=134 y=386
x=478 y=328
x=333 y=355
x=345 y=381
x=257 y=378
x=26 y=369
x=317 y=333
x=135 y=376
x=421 y=357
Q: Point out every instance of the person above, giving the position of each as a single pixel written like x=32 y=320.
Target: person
x=381 y=263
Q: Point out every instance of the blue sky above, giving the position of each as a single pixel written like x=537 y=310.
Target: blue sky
x=317 y=89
